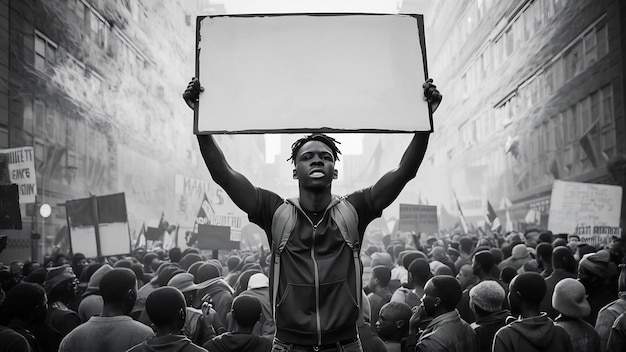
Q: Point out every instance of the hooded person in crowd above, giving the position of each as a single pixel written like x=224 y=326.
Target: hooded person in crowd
x=258 y=287
x=92 y=302
x=113 y=330
x=569 y=300
x=213 y=288
x=533 y=330
x=563 y=266
x=609 y=313
x=60 y=286
x=592 y=273
x=246 y=312
x=486 y=300
x=167 y=310
x=393 y=324
x=445 y=330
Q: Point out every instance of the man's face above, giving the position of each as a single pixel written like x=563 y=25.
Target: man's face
x=315 y=166
x=430 y=300
x=514 y=298
x=386 y=325
x=465 y=276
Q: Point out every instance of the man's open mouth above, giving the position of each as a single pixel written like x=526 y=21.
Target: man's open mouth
x=316 y=174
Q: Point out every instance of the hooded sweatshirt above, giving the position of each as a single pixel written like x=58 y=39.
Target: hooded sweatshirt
x=168 y=343
x=241 y=342
x=487 y=326
x=532 y=334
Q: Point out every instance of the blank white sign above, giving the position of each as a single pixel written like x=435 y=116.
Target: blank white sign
x=300 y=73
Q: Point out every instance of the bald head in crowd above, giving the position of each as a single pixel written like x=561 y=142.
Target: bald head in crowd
x=118 y=289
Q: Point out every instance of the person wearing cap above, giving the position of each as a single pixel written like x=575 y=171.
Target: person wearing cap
x=113 y=330
x=162 y=276
x=569 y=300
x=379 y=292
x=435 y=324
x=486 y=300
x=92 y=301
x=393 y=324
x=258 y=287
x=532 y=330
x=519 y=257
x=199 y=327
x=214 y=289
x=439 y=254
x=609 y=313
x=563 y=266
x=167 y=310
x=60 y=286
x=592 y=273
x=246 y=312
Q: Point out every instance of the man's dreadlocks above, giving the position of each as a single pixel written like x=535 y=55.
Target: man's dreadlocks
x=320 y=137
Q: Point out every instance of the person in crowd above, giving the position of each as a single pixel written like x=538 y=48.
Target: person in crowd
x=167 y=310
x=92 y=302
x=544 y=258
x=333 y=320
x=419 y=274
x=617 y=336
x=379 y=292
x=507 y=274
x=11 y=341
x=370 y=340
x=393 y=324
x=519 y=257
x=213 y=288
x=569 y=300
x=258 y=287
x=564 y=266
x=24 y=307
x=79 y=262
x=466 y=277
x=438 y=253
x=592 y=273
x=532 y=330
x=60 y=286
x=246 y=312
x=466 y=247
x=175 y=255
x=486 y=299
x=232 y=263
x=113 y=330
x=483 y=263
x=445 y=330
x=609 y=313
x=162 y=276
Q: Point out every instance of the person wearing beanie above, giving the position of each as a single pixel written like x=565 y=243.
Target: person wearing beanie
x=60 y=286
x=519 y=257
x=563 y=266
x=166 y=308
x=435 y=324
x=609 y=313
x=532 y=330
x=258 y=287
x=592 y=273
x=379 y=292
x=393 y=324
x=213 y=288
x=383 y=259
x=419 y=274
x=92 y=301
x=569 y=300
x=113 y=330
x=246 y=312
x=439 y=254
x=466 y=246
x=486 y=300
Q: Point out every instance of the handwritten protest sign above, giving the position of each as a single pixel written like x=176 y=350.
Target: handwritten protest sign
x=590 y=210
x=418 y=218
x=21 y=168
x=311 y=72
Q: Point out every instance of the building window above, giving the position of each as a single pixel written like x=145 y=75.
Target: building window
x=591 y=52
x=602 y=41
x=45 y=52
x=40 y=118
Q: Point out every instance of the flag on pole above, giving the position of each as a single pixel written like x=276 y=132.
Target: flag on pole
x=141 y=238
x=463 y=222
x=492 y=218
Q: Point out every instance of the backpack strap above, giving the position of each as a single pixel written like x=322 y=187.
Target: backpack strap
x=283 y=224
x=347 y=220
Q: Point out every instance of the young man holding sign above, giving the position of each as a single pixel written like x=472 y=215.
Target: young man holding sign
x=316 y=273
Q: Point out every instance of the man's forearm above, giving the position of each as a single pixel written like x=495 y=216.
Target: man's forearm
x=213 y=158
x=413 y=155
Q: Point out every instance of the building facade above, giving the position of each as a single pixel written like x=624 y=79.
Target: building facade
x=533 y=92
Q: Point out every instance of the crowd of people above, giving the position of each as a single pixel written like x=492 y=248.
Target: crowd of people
x=518 y=292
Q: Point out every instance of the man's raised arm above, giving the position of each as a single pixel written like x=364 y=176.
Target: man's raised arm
x=388 y=187
x=236 y=185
